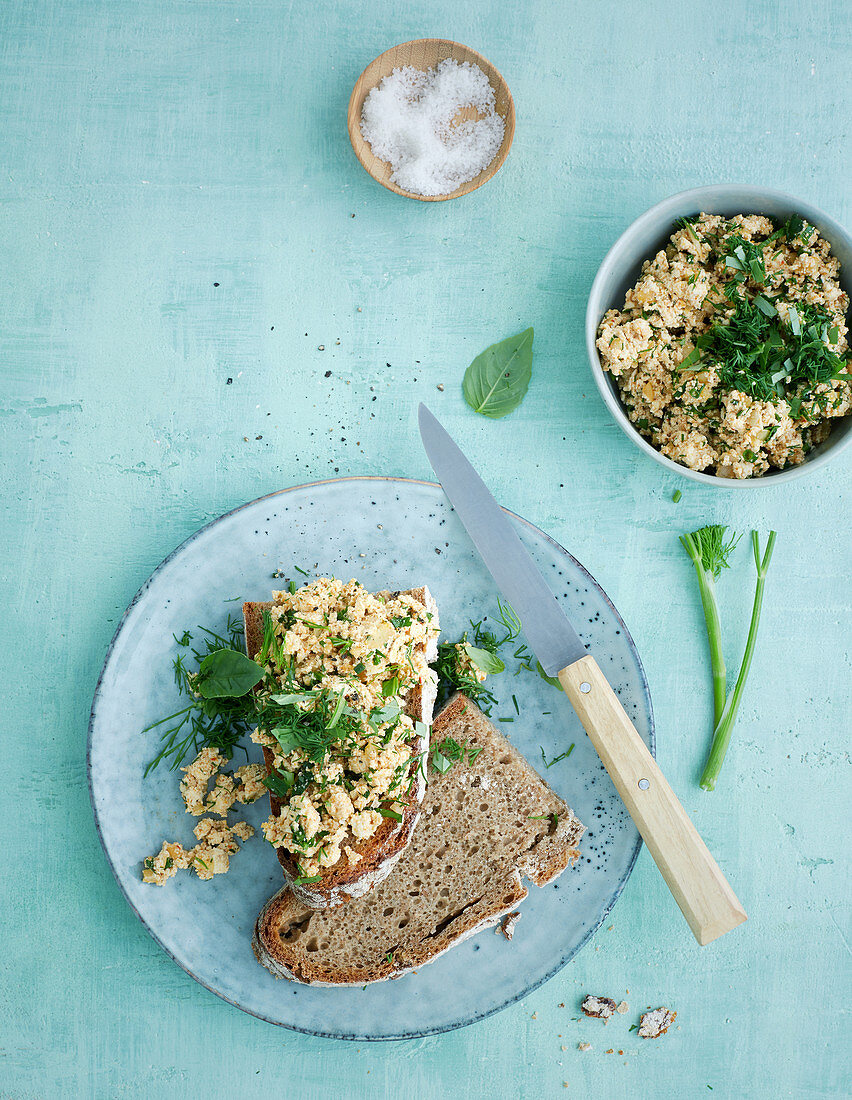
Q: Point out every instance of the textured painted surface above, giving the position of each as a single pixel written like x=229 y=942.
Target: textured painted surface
x=152 y=151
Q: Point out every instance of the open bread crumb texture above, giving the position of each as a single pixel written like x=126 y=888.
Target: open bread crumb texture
x=480 y=825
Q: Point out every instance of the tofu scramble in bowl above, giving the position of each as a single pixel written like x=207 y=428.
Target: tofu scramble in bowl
x=725 y=355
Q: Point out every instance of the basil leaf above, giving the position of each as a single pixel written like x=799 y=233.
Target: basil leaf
x=484 y=659
x=688 y=360
x=550 y=679
x=227 y=673
x=384 y=714
x=279 y=782
x=440 y=763
x=335 y=714
x=497 y=380
x=287 y=739
x=294 y=697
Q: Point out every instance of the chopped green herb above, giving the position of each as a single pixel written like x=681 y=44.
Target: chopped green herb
x=556 y=759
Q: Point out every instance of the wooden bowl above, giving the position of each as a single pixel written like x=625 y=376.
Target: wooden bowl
x=426 y=53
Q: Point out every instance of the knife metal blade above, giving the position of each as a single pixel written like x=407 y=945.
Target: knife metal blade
x=550 y=634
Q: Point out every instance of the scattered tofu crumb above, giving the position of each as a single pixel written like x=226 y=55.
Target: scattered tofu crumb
x=193 y=786
x=250 y=778
x=211 y=856
x=584 y=1046
x=655 y=1023
x=622 y=1007
x=600 y=1008
x=157 y=869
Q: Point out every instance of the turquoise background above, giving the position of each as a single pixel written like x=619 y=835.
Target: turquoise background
x=150 y=151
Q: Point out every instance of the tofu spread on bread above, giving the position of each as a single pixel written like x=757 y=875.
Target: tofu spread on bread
x=346 y=661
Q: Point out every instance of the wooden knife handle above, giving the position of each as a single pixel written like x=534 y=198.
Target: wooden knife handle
x=691 y=873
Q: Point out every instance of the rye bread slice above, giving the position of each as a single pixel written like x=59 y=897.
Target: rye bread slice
x=343 y=882
x=483 y=826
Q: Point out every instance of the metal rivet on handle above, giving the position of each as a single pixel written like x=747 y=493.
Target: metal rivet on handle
x=644 y=784
x=585 y=688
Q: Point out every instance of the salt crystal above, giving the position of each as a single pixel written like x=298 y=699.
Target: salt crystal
x=408 y=120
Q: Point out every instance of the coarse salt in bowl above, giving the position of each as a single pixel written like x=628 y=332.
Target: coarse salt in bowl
x=409 y=120
x=431 y=119
x=643 y=240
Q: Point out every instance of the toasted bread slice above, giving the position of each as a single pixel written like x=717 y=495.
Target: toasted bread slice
x=483 y=826
x=343 y=882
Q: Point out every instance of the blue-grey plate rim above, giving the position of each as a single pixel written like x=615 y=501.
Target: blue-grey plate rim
x=332 y=1034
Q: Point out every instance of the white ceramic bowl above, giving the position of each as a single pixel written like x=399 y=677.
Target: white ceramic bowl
x=643 y=239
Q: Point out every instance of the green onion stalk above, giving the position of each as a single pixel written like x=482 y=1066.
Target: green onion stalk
x=709 y=552
x=725 y=725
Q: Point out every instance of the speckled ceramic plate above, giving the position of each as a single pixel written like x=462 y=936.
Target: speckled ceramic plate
x=388 y=534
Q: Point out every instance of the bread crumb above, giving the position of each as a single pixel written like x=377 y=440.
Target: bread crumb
x=656 y=1023
x=622 y=1007
x=610 y=1051
x=600 y=1008
x=507 y=925
x=584 y=1046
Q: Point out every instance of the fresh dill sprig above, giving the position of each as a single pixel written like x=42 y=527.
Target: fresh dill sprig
x=217 y=722
x=757 y=352
x=482 y=651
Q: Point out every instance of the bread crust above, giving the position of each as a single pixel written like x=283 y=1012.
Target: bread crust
x=379 y=853
x=551 y=853
x=283 y=909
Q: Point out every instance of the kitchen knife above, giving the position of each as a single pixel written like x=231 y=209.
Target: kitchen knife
x=705 y=898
